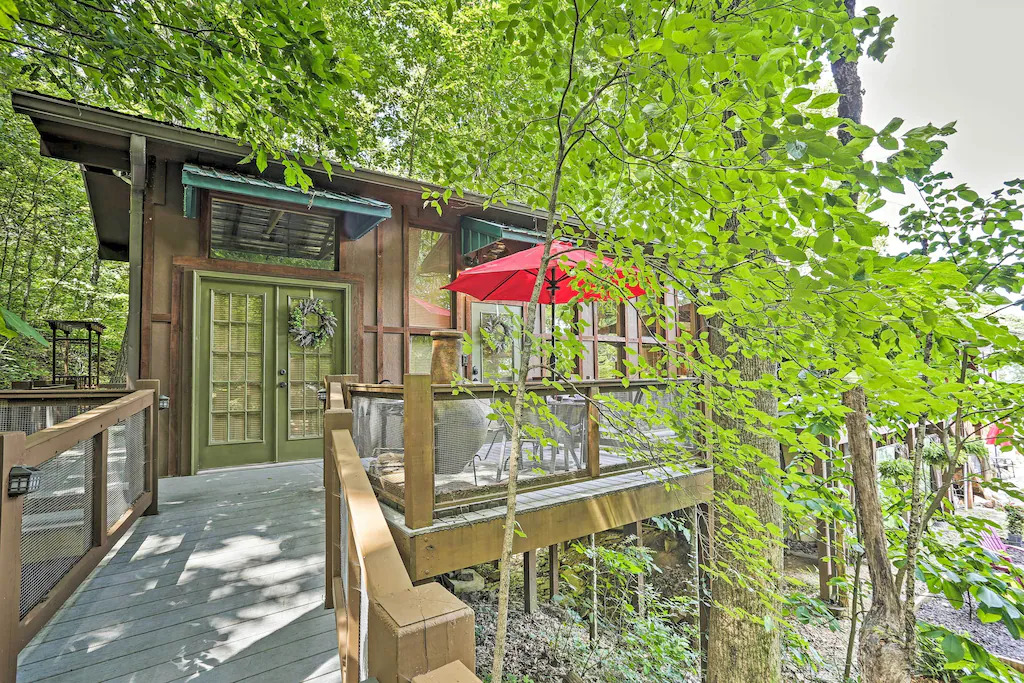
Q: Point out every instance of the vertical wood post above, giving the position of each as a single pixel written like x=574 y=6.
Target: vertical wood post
x=703 y=540
x=333 y=508
x=593 y=590
x=346 y=388
x=419 y=451
x=554 y=576
x=636 y=530
x=593 y=433
x=152 y=466
x=12 y=452
x=530 y=581
x=100 y=447
x=353 y=602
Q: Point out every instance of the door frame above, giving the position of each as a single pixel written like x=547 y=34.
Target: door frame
x=198 y=277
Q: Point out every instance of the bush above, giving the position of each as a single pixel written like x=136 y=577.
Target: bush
x=935 y=454
x=897 y=470
x=1014 y=519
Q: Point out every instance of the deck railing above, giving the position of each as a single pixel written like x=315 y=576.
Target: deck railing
x=431 y=448
x=97 y=473
x=387 y=628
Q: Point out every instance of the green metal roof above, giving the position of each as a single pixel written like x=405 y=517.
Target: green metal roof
x=361 y=213
x=478 y=233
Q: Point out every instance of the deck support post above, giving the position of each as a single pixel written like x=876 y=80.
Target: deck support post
x=703 y=541
x=553 y=571
x=593 y=590
x=152 y=447
x=418 y=426
x=530 y=581
x=636 y=531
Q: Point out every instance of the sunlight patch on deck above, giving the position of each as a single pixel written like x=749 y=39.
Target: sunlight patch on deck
x=225 y=585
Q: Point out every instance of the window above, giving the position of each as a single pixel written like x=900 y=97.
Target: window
x=420 y=350
x=609 y=360
x=263 y=234
x=609 y=317
x=430 y=269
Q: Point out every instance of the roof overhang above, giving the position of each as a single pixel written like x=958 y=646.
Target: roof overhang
x=361 y=214
x=478 y=233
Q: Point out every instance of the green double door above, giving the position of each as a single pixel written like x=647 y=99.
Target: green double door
x=256 y=388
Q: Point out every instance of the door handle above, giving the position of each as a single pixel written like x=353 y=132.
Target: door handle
x=282 y=385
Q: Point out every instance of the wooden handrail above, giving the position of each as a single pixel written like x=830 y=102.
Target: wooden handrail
x=385 y=571
x=16 y=449
x=46 y=443
x=400 y=617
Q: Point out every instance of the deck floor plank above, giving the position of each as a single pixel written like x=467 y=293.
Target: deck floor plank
x=224 y=585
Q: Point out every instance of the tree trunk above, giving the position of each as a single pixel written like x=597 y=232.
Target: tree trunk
x=882 y=653
x=740 y=648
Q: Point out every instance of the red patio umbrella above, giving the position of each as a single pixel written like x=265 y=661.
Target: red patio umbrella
x=512 y=278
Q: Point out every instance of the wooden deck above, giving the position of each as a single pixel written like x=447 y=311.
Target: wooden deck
x=225 y=584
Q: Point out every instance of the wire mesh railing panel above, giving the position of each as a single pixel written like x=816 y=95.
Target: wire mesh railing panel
x=378 y=431
x=473 y=440
x=31 y=416
x=56 y=524
x=126 y=465
x=643 y=424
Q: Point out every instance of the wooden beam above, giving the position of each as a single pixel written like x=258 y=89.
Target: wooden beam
x=419 y=451
x=530 y=581
x=443 y=548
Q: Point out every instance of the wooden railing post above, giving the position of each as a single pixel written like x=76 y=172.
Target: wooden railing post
x=12 y=452
x=593 y=433
x=100 y=448
x=419 y=451
x=152 y=433
x=333 y=419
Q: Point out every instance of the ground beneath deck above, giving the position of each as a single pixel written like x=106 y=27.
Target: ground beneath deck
x=226 y=583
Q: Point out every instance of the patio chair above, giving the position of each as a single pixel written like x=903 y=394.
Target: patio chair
x=990 y=540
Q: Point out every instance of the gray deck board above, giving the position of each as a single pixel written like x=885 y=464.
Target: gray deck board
x=225 y=585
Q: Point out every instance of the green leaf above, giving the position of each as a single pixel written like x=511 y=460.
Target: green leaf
x=823 y=243
x=824 y=100
x=988 y=598
x=953 y=648
x=14 y=322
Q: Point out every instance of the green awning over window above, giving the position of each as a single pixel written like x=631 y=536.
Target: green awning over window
x=361 y=214
x=478 y=233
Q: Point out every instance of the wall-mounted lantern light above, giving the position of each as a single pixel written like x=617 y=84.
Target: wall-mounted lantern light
x=23 y=480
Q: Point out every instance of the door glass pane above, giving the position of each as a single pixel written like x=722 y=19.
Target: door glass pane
x=307 y=367
x=236 y=367
x=496 y=340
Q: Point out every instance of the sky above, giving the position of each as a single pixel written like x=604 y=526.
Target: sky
x=955 y=60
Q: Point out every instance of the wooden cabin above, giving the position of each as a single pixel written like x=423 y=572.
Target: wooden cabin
x=220 y=255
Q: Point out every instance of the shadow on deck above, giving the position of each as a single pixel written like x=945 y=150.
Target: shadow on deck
x=226 y=583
